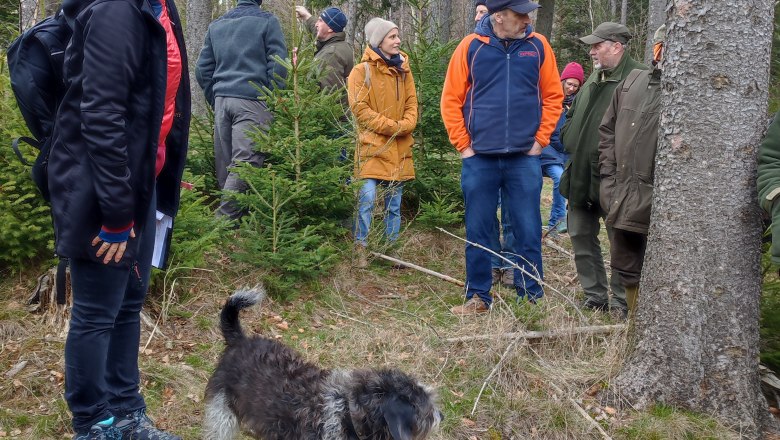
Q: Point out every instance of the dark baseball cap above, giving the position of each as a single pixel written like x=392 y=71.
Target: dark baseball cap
x=519 y=6
x=608 y=31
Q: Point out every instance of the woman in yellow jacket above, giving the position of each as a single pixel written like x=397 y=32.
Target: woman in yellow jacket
x=384 y=102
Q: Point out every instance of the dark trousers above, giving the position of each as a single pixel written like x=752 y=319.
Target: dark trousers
x=101 y=351
x=627 y=255
x=519 y=177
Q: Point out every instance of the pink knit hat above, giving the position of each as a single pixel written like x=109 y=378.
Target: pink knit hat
x=573 y=70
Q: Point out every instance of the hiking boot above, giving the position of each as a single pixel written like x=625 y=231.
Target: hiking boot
x=360 y=257
x=508 y=277
x=496 y=275
x=111 y=429
x=474 y=306
x=593 y=305
x=144 y=428
x=562 y=227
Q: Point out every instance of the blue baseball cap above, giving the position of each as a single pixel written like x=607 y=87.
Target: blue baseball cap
x=519 y=6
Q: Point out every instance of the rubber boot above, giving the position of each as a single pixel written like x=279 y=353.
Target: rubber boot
x=632 y=295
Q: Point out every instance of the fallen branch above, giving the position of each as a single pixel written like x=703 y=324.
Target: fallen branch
x=558 y=248
x=15 y=370
x=420 y=268
x=495 y=369
x=546 y=334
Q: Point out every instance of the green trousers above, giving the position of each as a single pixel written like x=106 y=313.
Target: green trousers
x=584 y=228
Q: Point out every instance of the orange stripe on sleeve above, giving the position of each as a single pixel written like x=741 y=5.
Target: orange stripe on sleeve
x=453 y=95
x=550 y=93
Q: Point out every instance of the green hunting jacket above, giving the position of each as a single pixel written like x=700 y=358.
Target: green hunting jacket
x=337 y=57
x=769 y=181
x=580 y=181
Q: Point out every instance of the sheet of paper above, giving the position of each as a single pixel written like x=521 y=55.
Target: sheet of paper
x=163 y=228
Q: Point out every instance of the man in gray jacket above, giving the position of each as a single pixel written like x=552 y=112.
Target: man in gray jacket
x=237 y=58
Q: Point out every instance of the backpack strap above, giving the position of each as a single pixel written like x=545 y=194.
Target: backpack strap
x=27 y=140
x=631 y=79
x=367 y=79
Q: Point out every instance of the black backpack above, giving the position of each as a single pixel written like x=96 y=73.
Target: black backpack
x=35 y=63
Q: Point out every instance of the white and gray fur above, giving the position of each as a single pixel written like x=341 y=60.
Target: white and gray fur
x=268 y=391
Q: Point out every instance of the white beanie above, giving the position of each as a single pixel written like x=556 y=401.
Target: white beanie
x=377 y=29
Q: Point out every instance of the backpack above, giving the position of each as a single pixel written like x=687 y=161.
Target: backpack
x=35 y=64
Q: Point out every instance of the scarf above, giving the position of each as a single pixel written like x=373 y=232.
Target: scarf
x=394 y=61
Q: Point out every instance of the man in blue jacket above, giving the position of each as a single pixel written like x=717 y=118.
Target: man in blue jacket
x=237 y=58
x=117 y=157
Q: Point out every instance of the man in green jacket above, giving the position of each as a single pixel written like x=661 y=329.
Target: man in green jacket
x=769 y=182
x=629 y=136
x=580 y=181
x=336 y=55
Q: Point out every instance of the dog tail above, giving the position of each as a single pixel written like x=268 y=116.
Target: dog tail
x=229 y=322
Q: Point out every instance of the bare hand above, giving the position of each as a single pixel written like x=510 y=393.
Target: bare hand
x=468 y=152
x=536 y=149
x=111 y=250
x=302 y=13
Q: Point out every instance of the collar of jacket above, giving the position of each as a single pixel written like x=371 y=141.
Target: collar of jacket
x=338 y=36
x=372 y=57
x=248 y=3
x=616 y=73
x=485 y=28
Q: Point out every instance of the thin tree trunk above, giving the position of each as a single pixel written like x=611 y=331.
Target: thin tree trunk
x=544 y=18
x=612 y=9
x=698 y=314
x=28 y=13
x=656 y=16
x=623 y=12
x=198 y=19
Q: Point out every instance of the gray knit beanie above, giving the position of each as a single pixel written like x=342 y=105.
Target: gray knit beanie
x=377 y=29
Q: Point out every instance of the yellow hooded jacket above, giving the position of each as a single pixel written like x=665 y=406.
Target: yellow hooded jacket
x=385 y=107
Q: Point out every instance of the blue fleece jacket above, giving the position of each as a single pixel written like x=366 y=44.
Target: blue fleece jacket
x=237 y=55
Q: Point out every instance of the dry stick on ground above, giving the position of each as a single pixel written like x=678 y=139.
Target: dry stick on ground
x=555 y=246
x=576 y=405
x=492 y=372
x=420 y=268
x=592 y=330
x=516 y=266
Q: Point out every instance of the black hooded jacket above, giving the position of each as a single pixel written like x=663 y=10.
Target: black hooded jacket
x=102 y=161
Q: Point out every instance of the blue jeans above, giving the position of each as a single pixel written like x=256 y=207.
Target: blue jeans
x=392 y=197
x=519 y=177
x=101 y=350
x=502 y=241
x=558 y=208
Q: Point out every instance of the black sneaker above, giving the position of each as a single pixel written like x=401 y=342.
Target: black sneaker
x=113 y=429
x=590 y=304
x=144 y=428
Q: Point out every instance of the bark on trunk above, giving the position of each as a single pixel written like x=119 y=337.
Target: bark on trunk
x=697 y=325
x=623 y=12
x=28 y=14
x=198 y=19
x=656 y=16
x=544 y=18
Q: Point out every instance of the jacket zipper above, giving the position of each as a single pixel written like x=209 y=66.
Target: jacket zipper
x=506 y=119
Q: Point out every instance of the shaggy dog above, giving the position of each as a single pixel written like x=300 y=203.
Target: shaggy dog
x=266 y=389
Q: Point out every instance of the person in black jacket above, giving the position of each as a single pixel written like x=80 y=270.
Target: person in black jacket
x=117 y=157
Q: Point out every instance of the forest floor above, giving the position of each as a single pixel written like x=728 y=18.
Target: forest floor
x=494 y=388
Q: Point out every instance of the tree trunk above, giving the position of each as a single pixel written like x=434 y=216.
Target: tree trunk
x=697 y=324
x=544 y=18
x=656 y=16
x=623 y=12
x=29 y=13
x=198 y=19
x=612 y=9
